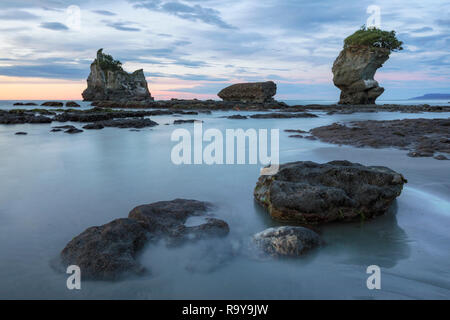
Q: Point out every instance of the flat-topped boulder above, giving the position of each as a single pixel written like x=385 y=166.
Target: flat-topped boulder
x=309 y=193
x=108 y=81
x=250 y=92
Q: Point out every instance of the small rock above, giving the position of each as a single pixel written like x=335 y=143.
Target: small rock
x=93 y=126
x=72 y=104
x=441 y=157
x=53 y=104
x=286 y=241
x=73 y=130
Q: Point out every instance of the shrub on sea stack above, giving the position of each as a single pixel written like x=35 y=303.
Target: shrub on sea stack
x=354 y=69
x=374 y=37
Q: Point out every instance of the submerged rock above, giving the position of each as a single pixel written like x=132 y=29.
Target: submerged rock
x=128 y=123
x=286 y=241
x=52 y=104
x=108 y=81
x=93 y=126
x=21 y=133
x=15 y=117
x=24 y=104
x=108 y=251
x=353 y=73
x=250 y=92
x=168 y=218
x=278 y=115
x=312 y=193
x=72 y=104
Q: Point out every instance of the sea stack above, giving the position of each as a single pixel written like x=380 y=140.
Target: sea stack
x=108 y=81
x=353 y=70
x=259 y=92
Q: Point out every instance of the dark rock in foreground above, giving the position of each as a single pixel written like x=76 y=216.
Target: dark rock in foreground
x=424 y=137
x=52 y=104
x=278 y=115
x=249 y=92
x=20 y=133
x=286 y=241
x=310 y=193
x=109 y=252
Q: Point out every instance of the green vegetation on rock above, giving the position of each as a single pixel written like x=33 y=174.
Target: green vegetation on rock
x=107 y=62
x=374 y=37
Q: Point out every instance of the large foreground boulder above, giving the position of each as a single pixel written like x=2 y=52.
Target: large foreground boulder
x=109 y=251
x=286 y=241
x=354 y=70
x=108 y=81
x=250 y=92
x=311 y=193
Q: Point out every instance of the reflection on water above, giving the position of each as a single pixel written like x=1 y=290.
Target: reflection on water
x=54 y=185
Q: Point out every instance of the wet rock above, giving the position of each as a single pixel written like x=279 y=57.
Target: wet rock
x=109 y=251
x=93 y=126
x=295 y=131
x=276 y=115
x=423 y=137
x=249 y=92
x=310 y=193
x=286 y=241
x=20 y=133
x=168 y=218
x=237 y=117
x=185 y=121
x=72 y=104
x=73 y=130
x=25 y=104
x=108 y=81
x=22 y=116
x=441 y=157
x=128 y=123
x=52 y=104
x=353 y=73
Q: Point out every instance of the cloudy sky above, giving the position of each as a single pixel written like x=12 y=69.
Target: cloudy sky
x=193 y=48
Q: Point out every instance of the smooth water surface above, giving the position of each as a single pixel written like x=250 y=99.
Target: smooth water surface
x=55 y=185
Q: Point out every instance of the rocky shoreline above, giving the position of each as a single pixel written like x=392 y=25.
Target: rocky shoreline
x=422 y=137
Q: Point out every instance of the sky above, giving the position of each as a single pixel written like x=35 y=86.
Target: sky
x=194 y=48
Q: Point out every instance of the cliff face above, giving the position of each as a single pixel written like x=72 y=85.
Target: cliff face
x=249 y=92
x=111 y=82
x=353 y=72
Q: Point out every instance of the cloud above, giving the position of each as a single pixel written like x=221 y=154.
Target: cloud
x=17 y=15
x=184 y=11
x=104 y=12
x=53 y=26
x=122 y=26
